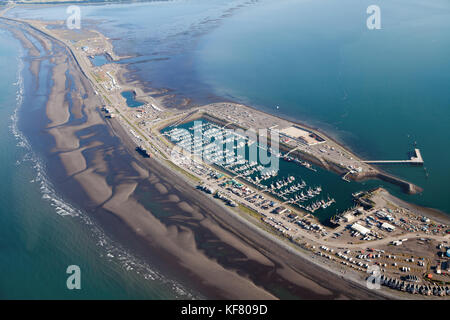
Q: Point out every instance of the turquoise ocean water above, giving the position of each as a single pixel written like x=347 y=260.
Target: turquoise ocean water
x=40 y=233
x=377 y=91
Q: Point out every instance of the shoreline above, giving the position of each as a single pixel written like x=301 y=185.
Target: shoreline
x=145 y=94
x=142 y=92
x=124 y=195
x=406 y=186
x=271 y=238
x=240 y=288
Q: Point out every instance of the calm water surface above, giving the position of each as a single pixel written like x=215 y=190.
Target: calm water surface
x=377 y=91
x=41 y=234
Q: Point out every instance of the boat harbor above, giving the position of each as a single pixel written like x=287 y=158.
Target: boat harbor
x=232 y=152
x=291 y=197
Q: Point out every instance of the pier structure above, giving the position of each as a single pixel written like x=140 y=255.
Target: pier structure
x=416 y=159
x=292 y=150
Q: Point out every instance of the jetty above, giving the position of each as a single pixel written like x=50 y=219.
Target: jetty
x=416 y=159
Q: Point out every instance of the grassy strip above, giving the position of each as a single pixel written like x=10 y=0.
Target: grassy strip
x=109 y=101
x=241 y=209
x=167 y=143
x=249 y=211
x=189 y=175
x=97 y=79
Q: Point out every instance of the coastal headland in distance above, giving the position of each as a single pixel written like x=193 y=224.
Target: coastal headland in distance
x=218 y=229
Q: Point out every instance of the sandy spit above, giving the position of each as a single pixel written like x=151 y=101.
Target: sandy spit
x=109 y=175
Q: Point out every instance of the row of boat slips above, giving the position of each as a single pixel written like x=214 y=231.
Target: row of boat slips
x=290 y=189
x=208 y=138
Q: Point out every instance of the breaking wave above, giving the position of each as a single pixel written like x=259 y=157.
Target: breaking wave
x=110 y=250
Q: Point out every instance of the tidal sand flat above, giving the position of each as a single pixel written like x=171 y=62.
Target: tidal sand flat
x=197 y=241
x=150 y=204
x=42 y=231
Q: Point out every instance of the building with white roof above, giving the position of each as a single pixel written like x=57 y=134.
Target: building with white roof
x=359 y=228
x=387 y=226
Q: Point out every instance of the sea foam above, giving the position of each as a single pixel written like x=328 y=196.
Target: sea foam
x=109 y=249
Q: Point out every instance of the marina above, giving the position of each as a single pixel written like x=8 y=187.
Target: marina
x=181 y=175
x=294 y=181
x=289 y=198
